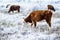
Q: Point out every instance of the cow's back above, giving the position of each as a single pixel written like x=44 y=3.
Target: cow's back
x=40 y=14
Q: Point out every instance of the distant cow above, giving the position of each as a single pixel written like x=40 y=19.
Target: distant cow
x=14 y=8
x=51 y=7
x=39 y=15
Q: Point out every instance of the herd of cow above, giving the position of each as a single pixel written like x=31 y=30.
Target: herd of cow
x=36 y=16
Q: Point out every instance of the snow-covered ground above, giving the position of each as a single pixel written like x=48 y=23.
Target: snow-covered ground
x=13 y=28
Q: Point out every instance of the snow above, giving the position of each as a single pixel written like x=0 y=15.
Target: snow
x=12 y=26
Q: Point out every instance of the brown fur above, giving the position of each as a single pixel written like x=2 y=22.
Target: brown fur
x=14 y=7
x=39 y=15
x=51 y=7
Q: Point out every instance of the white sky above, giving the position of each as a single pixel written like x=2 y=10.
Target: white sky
x=31 y=0
x=44 y=0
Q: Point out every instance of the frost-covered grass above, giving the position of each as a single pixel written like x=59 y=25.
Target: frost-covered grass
x=13 y=28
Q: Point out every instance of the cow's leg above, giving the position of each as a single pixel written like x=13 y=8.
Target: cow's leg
x=49 y=22
x=33 y=21
x=31 y=24
x=18 y=10
x=35 y=24
x=13 y=11
x=8 y=11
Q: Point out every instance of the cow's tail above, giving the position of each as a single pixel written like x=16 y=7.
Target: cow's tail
x=7 y=5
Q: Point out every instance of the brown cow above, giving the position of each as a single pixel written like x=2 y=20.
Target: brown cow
x=13 y=8
x=51 y=7
x=39 y=15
